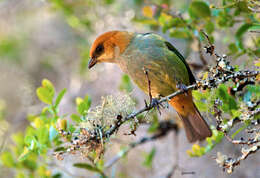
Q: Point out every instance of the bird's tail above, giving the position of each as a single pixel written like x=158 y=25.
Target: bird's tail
x=195 y=126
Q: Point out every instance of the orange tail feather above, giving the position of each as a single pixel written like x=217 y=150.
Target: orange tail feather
x=195 y=126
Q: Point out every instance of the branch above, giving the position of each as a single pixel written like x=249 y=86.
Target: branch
x=230 y=163
x=211 y=82
x=250 y=141
x=146 y=108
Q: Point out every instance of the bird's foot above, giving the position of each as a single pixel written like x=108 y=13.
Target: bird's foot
x=182 y=87
x=156 y=104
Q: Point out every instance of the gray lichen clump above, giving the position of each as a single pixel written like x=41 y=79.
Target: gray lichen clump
x=105 y=114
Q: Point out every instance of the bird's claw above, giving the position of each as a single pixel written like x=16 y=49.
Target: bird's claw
x=182 y=87
x=156 y=105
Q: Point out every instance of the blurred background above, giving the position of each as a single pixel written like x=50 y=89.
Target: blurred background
x=51 y=39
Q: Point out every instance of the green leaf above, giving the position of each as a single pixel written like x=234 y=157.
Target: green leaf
x=125 y=84
x=229 y=103
x=7 y=159
x=88 y=167
x=37 y=122
x=61 y=148
x=255 y=26
x=26 y=152
x=155 y=124
x=149 y=158
x=59 y=97
x=202 y=106
x=109 y=1
x=30 y=141
x=83 y=105
x=146 y=21
x=240 y=32
x=18 y=139
x=209 y=27
x=242 y=29
x=176 y=22
x=71 y=128
x=44 y=95
x=164 y=18
x=82 y=108
x=252 y=91
x=46 y=92
x=199 y=9
x=242 y=6
x=43 y=135
x=47 y=84
x=224 y=19
x=233 y=48
x=76 y=118
x=20 y=174
x=201 y=99
x=179 y=33
x=196 y=151
x=239 y=130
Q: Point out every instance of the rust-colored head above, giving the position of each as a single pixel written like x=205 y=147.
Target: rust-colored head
x=108 y=46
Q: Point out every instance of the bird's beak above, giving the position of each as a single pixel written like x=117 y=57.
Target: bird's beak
x=92 y=62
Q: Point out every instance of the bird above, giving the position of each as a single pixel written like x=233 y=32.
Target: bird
x=166 y=68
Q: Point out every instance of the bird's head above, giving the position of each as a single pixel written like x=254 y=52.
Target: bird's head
x=109 y=46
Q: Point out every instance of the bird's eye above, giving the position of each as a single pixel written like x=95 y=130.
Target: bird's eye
x=99 y=49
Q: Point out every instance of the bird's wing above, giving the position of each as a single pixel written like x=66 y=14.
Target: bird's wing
x=175 y=51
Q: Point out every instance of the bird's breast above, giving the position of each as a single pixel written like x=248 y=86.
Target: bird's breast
x=136 y=62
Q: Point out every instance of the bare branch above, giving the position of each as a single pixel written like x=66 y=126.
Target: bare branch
x=230 y=163
x=250 y=141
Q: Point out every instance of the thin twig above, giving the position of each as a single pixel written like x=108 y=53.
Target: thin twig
x=254 y=10
x=230 y=163
x=242 y=142
x=254 y=31
x=149 y=84
x=203 y=60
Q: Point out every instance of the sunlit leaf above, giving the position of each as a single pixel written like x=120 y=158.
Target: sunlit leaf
x=24 y=155
x=46 y=92
x=126 y=84
x=76 y=118
x=164 y=18
x=209 y=27
x=179 y=33
x=7 y=159
x=155 y=124
x=59 y=97
x=233 y=48
x=83 y=104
